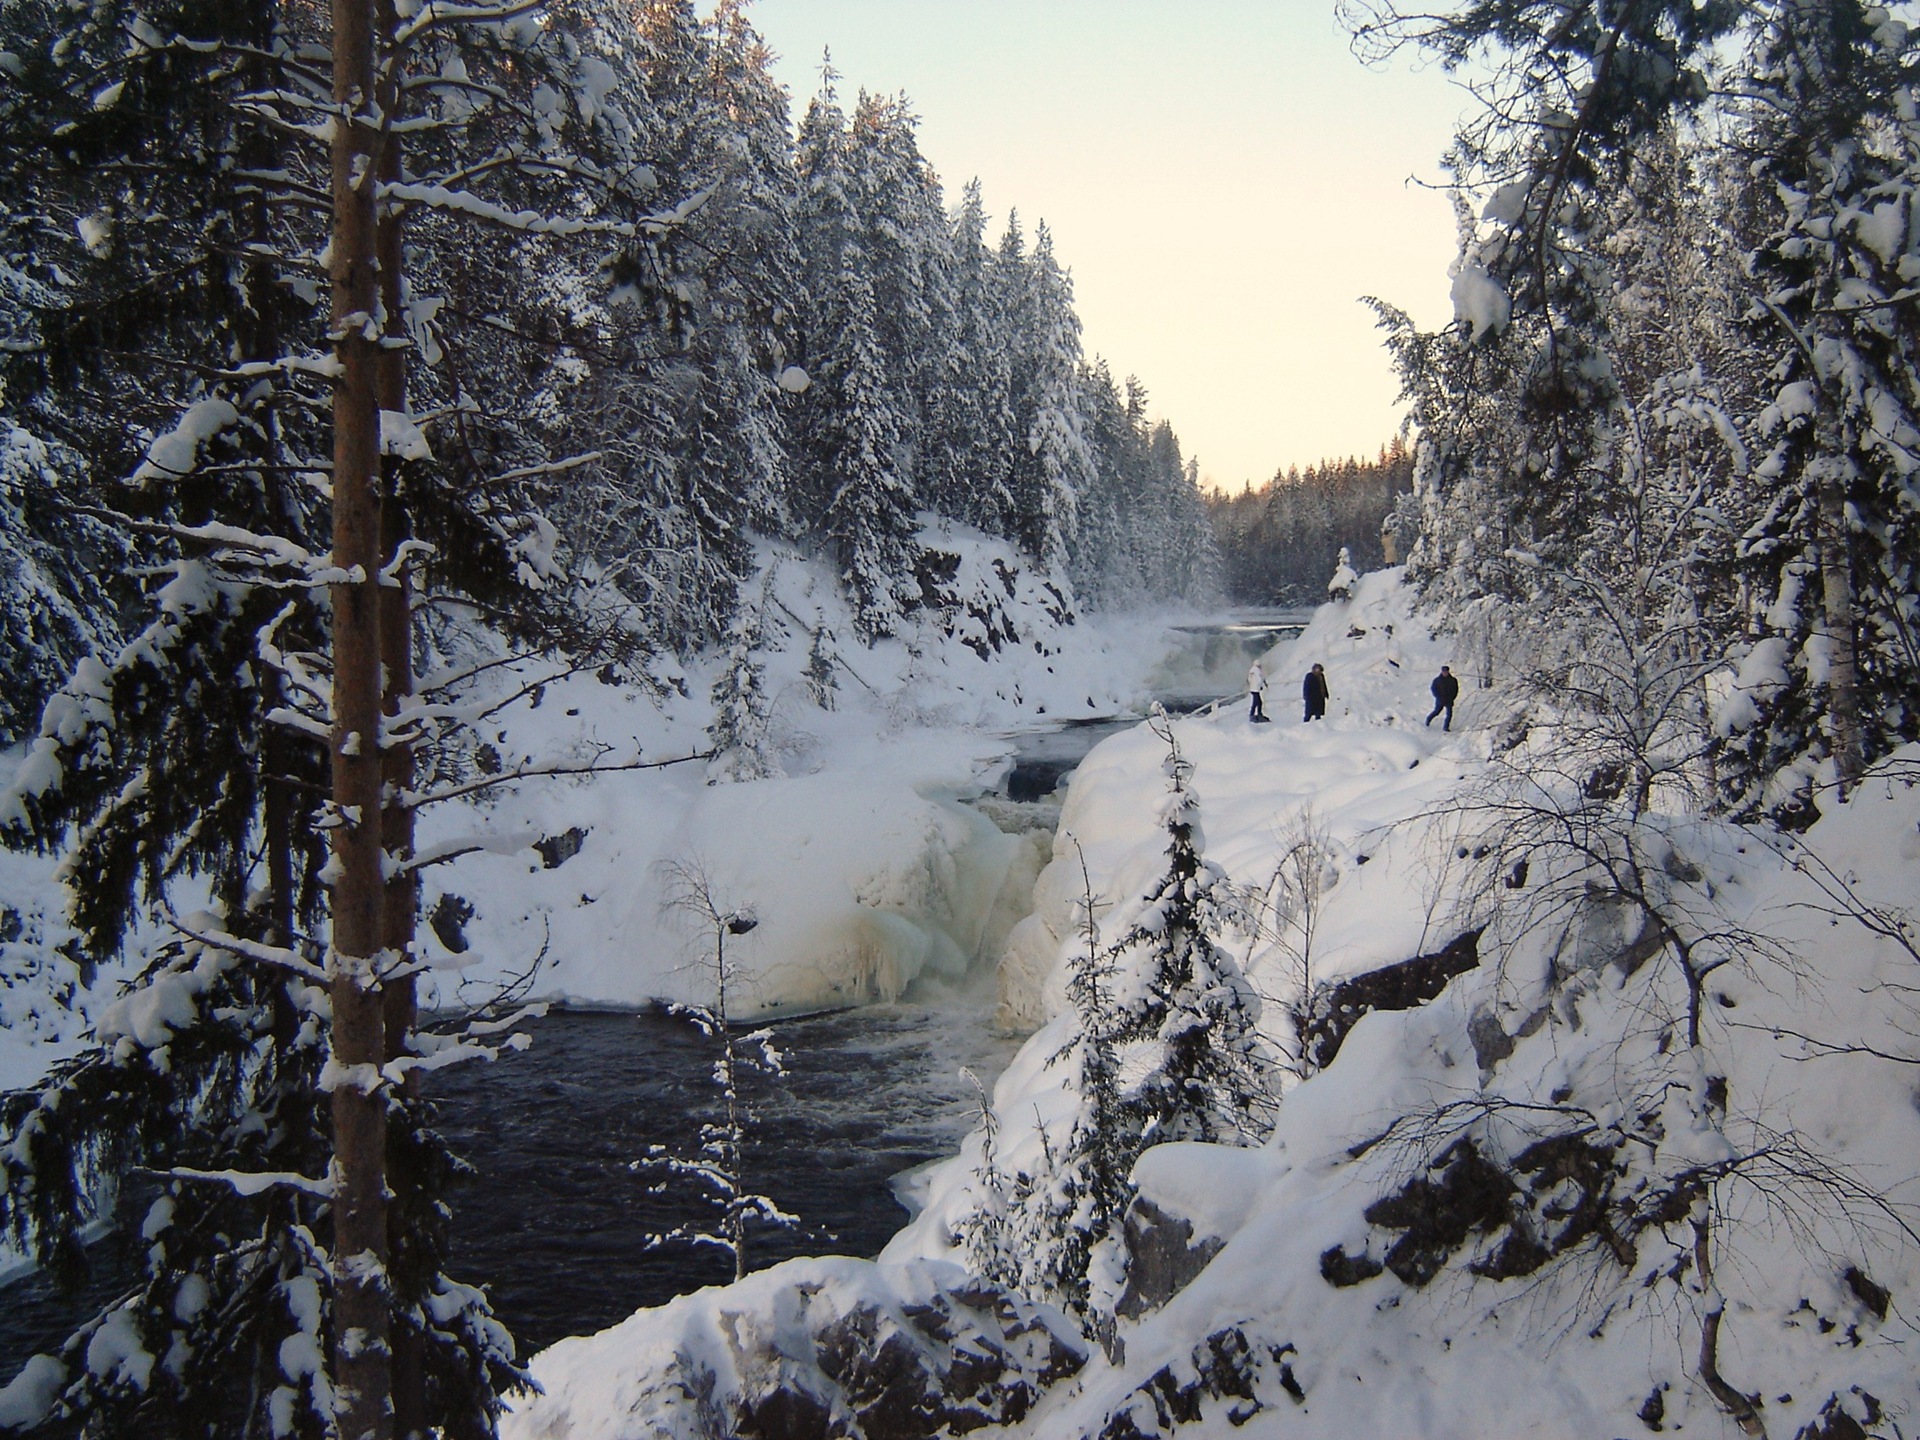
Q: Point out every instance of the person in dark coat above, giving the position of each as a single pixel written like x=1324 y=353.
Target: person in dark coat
x=1446 y=690
x=1313 y=690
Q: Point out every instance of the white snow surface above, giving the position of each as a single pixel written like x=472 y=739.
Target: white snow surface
x=1575 y=1348
x=862 y=867
x=865 y=872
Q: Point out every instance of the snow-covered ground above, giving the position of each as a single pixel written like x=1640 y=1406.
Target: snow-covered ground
x=863 y=870
x=1515 y=1208
x=861 y=867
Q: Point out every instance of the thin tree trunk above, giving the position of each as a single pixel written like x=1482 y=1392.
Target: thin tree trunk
x=1836 y=577
x=362 y=1373
x=1739 y=1407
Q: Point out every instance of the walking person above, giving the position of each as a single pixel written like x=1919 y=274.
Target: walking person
x=1446 y=690
x=1313 y=690
x=1257 y=688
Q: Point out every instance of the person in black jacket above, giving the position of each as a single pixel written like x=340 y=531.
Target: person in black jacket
x=1446 y=690
x=1313 y=690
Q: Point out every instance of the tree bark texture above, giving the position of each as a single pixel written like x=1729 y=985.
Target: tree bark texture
x=1843 y=675
x=362 y=1373
x=401 y=900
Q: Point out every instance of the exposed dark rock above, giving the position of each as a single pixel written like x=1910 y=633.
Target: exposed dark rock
x=1436 y=1215
x=1491 y=1043
x=1336 y=1009
x=791 y=1414
x=1230 y=1376
x=1340 y=1269
x=1552 y=1197
x=1875 y=1297
x=556 y=850
x=1836 y=1422
x=448 y=920
x=1654 y=1410
x=1162 y=1257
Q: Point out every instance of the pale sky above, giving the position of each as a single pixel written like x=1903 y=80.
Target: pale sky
x=1224 y=179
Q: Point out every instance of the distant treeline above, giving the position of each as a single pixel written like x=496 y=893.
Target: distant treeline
x=1280 y=543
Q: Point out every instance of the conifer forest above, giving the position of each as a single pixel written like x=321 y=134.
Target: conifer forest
x=508 y=513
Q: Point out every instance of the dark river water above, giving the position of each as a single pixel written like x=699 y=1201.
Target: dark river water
x=557 y=1222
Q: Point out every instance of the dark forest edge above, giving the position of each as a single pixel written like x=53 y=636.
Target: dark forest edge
x=1280 y=542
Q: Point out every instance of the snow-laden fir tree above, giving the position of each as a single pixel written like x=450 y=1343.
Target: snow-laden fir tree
x=1340 y=585
x=1054 y=466
x=850 y=440
x=1182 y=1011
x=1837 y=553
x=190 y=370
x=682 y=422
x=971 y=462
x=908 y=251
x=741 y=734
x=1165 y=1046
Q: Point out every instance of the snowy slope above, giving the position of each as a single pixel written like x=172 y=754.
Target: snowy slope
x=1804 y=1164
x=861 y=867
x=1517 y=1208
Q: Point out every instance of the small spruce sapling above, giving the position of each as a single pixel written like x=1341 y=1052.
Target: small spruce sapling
x=742 y=709
x=1166 y=1047
x=720 y=1166
x=1340 y=587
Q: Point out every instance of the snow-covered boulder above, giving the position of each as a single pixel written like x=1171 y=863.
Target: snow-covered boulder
x=829 y=1349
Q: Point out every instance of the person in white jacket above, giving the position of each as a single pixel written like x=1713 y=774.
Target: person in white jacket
x=1257 y=688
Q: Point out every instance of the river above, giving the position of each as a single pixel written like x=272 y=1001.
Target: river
x=556 y=1218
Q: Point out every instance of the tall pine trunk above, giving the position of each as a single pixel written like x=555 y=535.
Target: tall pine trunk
x=401 y=901
x=362 y=1372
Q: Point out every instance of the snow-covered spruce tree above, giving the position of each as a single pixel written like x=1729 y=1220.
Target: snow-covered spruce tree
x=1054 y=466
x=1143 y=532
x=741 y=739
x=908 y=249
x=194 y=760
x=1340 y=584
x=1108 y=571
x=973 y=411
x=1183 y=1014
x=849 y=434
x=1831 y=122
x=1516 y=404
x=1166 y=1046
x=674 y=402
x=1053 y=1232
x=55 y=558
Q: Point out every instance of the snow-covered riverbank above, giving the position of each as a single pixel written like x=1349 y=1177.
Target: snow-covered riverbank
x=861 y=866
x=1587 y=1187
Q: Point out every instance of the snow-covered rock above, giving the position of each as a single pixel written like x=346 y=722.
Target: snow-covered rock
x=811 y=1348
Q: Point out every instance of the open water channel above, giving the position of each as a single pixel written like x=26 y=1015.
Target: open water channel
x=558 y=1217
